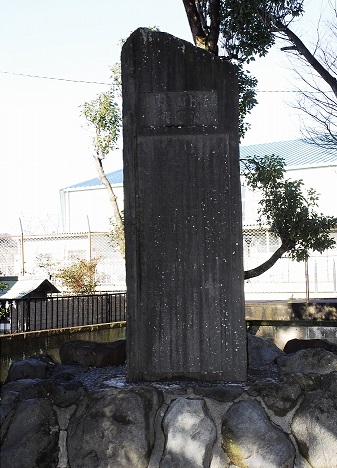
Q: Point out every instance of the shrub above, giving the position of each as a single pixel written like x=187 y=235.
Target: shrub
x=79 y=278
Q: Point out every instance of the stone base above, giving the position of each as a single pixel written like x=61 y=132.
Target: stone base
x=69 y=416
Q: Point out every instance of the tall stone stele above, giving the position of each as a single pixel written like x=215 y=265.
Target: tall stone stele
x=182 y=212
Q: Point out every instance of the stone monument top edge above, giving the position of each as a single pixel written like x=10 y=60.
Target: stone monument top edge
x=147 y=34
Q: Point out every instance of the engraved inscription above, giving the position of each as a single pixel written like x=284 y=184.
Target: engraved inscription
x=180 y=109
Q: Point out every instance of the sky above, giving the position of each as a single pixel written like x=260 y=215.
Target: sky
x=45 y=144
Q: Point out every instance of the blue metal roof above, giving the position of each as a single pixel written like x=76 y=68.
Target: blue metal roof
x=294 y=152
x=114 y=178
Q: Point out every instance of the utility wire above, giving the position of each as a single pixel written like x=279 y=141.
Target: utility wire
x=109 y=84
x=54 y=78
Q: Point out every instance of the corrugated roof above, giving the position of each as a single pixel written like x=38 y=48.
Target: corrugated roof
x=19 y=288
x=294 y=152
x=114 y=178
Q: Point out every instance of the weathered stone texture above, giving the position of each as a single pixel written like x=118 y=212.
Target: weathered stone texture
x=280 y=398
x=251 y=441
x=31 y=437
x=110 y=429
x=31 y=368
x=182 y=212
x=295 y=345
x=189 y=433
x=309 y=361
x=315 y=429
x=261 y=352
x=78 y=418
x=93 y=354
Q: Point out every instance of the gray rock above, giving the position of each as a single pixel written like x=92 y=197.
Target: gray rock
x=307 y=382
x=225 y=393
x=329 y=383
x=189 y=433
x=60 y=394
x=31 y=368
x=309 y=361
x=111 y=429
x=261 y=352
x=93 y=354
x=31 y=438
x=10 y=395
x=314 y=427
x=280 y=398
x=294 y=345
x=252 y=441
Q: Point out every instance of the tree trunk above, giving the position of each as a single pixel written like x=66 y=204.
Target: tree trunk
x=113 y=200
x=266 y=265
x=309 y=57
x=203 y=36
x=198 y=34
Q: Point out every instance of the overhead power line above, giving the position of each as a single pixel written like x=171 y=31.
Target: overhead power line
x=109 y=84
x=54 y=78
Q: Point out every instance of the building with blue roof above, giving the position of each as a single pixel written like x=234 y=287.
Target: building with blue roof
x=85 y=205
x=87 y=200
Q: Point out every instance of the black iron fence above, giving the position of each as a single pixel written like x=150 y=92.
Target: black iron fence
x=63 y=311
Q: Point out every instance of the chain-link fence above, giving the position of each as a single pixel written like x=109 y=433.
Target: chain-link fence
x=316 y=278
x=44 y=255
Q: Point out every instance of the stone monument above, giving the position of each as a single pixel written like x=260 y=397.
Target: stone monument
x=182 y=212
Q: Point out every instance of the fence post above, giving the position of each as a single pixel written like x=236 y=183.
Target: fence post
x=306 y=280
x=26 y=317
x=90 y=239
x=22 y=250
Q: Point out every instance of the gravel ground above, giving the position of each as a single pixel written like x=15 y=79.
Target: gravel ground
x=115 y=376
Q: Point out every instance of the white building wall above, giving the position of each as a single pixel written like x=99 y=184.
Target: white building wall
x=322 y=179
x=78 y=205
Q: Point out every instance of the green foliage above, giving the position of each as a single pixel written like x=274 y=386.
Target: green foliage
x=4 y=313
x=248 y=27
x=116 y=234
x=247 y=30
x=288 y=208
x=3 y=286
x=105 y=115
x=247 y=98
x=79 y=278
x=240 y=31
x=116 y=77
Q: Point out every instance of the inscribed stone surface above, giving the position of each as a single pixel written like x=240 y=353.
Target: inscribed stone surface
x=182 y=212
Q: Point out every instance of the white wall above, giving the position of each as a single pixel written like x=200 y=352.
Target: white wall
x=323 y=179
x=79 y=204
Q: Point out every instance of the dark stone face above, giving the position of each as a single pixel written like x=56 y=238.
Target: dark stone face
x=182 y=212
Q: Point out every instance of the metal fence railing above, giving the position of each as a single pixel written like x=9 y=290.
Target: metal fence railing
x=64 y=311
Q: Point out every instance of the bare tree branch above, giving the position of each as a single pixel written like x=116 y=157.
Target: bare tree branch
x=302 y=49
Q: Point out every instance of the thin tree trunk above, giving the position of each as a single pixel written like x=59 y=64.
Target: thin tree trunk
x=266 y=265
x=113 y=200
